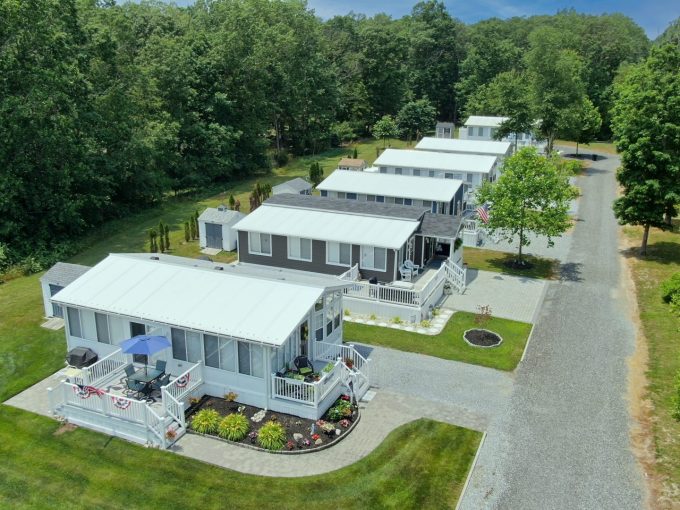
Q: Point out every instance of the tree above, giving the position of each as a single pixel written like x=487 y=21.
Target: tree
x=161 y=236
x=415 y=118
x=584 y=124
x=385 y=128
x=232 y=202
x=355 y=154
x=237 y=205
x=153 y=248
x=187 y=232
x=555 y=81
x=167 y=236
x=315 y=173
x=531 y=196
x=646 y=127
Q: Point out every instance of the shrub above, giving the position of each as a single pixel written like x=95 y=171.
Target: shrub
x=281 y=158
x=670 y=287
x=206 y=421
x=373 y=317
x=341 y=409
x=675 y=411
x=426 y=324
x=396 y=320
x=272 y=436
x=231 y=396
x=346 y=312
x=233 y=427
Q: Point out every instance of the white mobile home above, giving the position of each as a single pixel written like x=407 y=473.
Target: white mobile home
x=479 y=127
x=445 y=130
x=233 y=328
x=59 y=276
x=437 y=196
x=469 y=168
x=494 y=148
x=352 y=164
x=297 y=185
x=215 y=228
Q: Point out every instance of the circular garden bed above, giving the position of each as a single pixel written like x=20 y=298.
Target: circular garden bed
x=482 y=338
x=261 y=429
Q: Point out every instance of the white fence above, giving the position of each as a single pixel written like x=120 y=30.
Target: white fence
x=361 y=367
x=310 y=393
x=101 y=406
x=455 y=274
x=351 y=274
x=104 y=368
x=185 y=383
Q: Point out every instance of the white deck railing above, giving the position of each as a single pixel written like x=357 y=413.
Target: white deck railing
x=432 y=285
x=309 y=393
x=455 y=274
x=105 y=405
x=104 y=368
x=352 y=274
x=185 y=383
x=360 y=366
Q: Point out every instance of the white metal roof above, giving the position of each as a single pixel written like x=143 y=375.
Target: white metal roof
x=259 y=309
x=391 y=185
x=463 y=146
x=324 y=225
x=480 y=120
x=436 y=161
x=293 y=186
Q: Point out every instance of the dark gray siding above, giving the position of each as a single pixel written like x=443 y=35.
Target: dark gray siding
x=418 y=251
x=318 y=264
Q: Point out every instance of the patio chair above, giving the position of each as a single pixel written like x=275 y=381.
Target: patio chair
x=135 y=387
x=303 y=365
x=129 y=370
x=160 y=365
x=408 y=264
x=405 y=273
x=163 y=380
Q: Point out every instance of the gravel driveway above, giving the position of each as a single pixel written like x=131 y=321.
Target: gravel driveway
x=563 y=440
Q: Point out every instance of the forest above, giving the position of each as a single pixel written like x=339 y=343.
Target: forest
x=106 y=109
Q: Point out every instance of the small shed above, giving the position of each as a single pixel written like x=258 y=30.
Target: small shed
x=445 y=130
x=56 y=278
x=215 y=228
x=352 y=164
x=297 y=186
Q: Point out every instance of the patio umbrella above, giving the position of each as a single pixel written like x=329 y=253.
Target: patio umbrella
x=144 y=344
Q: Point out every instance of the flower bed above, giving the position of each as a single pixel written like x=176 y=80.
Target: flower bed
x=482 y=338
x=268 y=430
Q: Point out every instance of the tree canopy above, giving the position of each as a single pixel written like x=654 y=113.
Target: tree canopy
x=532 y=195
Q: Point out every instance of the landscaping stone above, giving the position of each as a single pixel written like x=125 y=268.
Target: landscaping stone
x=297 y=437
x=370 y=323
x=318 y=442
x=259 y=416
x=382 y=324
x=338 y=432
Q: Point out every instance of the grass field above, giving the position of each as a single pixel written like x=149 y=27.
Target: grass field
x=491 y=260
x=449 y=344
x=606 y=147
x=662 y=332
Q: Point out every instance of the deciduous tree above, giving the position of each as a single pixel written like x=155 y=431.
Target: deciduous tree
x=385 y=128
x=415 y=118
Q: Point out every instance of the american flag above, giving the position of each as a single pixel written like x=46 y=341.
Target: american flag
x=483 y=212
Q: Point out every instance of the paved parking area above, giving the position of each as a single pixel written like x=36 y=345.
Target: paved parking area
x=510 y=297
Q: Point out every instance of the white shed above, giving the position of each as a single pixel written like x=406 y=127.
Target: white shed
x=215 y=228
x=56 y=278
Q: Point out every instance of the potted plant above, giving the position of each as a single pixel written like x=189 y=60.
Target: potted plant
x=349 y=362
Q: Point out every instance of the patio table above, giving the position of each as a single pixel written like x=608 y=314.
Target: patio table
x=146 y=376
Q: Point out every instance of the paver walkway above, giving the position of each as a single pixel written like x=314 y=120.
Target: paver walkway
x=501 y=292
x=563 y=440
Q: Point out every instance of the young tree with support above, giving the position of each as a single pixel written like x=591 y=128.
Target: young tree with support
x=385 y=128
x=646 y=127
x=532 y=195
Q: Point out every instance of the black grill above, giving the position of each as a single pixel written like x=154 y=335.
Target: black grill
x=81 y=357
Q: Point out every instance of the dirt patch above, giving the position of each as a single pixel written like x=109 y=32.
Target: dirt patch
x=516 y=264
x=66 y=427
x=482 y=338
x=639 y=405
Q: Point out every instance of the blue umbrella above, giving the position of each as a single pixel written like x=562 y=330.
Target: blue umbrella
x=144 y=344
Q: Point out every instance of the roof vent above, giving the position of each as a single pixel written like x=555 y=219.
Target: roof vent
x=221 y=207
x=155 y=258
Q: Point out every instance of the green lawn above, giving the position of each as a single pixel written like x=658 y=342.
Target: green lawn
x=449 y=344
x=606 y=147
x=491 y=260
x=420 y=465
x=662 y=332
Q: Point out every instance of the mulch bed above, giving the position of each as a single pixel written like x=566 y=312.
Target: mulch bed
x=292 y=424
x=482 y=338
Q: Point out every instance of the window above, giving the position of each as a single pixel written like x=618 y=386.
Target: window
x=468 y=177
x=338 y=254
x=471 y=131
x=370 y=198
x=398 y=171
x=431 y=173
x=383 y=170
x=458 y=176
x=259 y=244
x=74 y=328
x=300 y=249
x=480 y=131
x=373 y=258
x=186 y=345
x=219 y=352
x=427 y=203
x=324 y=193
x=399 y=201
x=351 y=196
x=448 y=175
x=379 y=198
x=341 y=194
x=250 y=360
x=492 y=132
x=416 y=172
x=102 y=324
x=408 y=201
x=389 y=200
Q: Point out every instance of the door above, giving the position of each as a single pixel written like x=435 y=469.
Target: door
x=213 y=235
x=137 y=328
x=57 y=311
